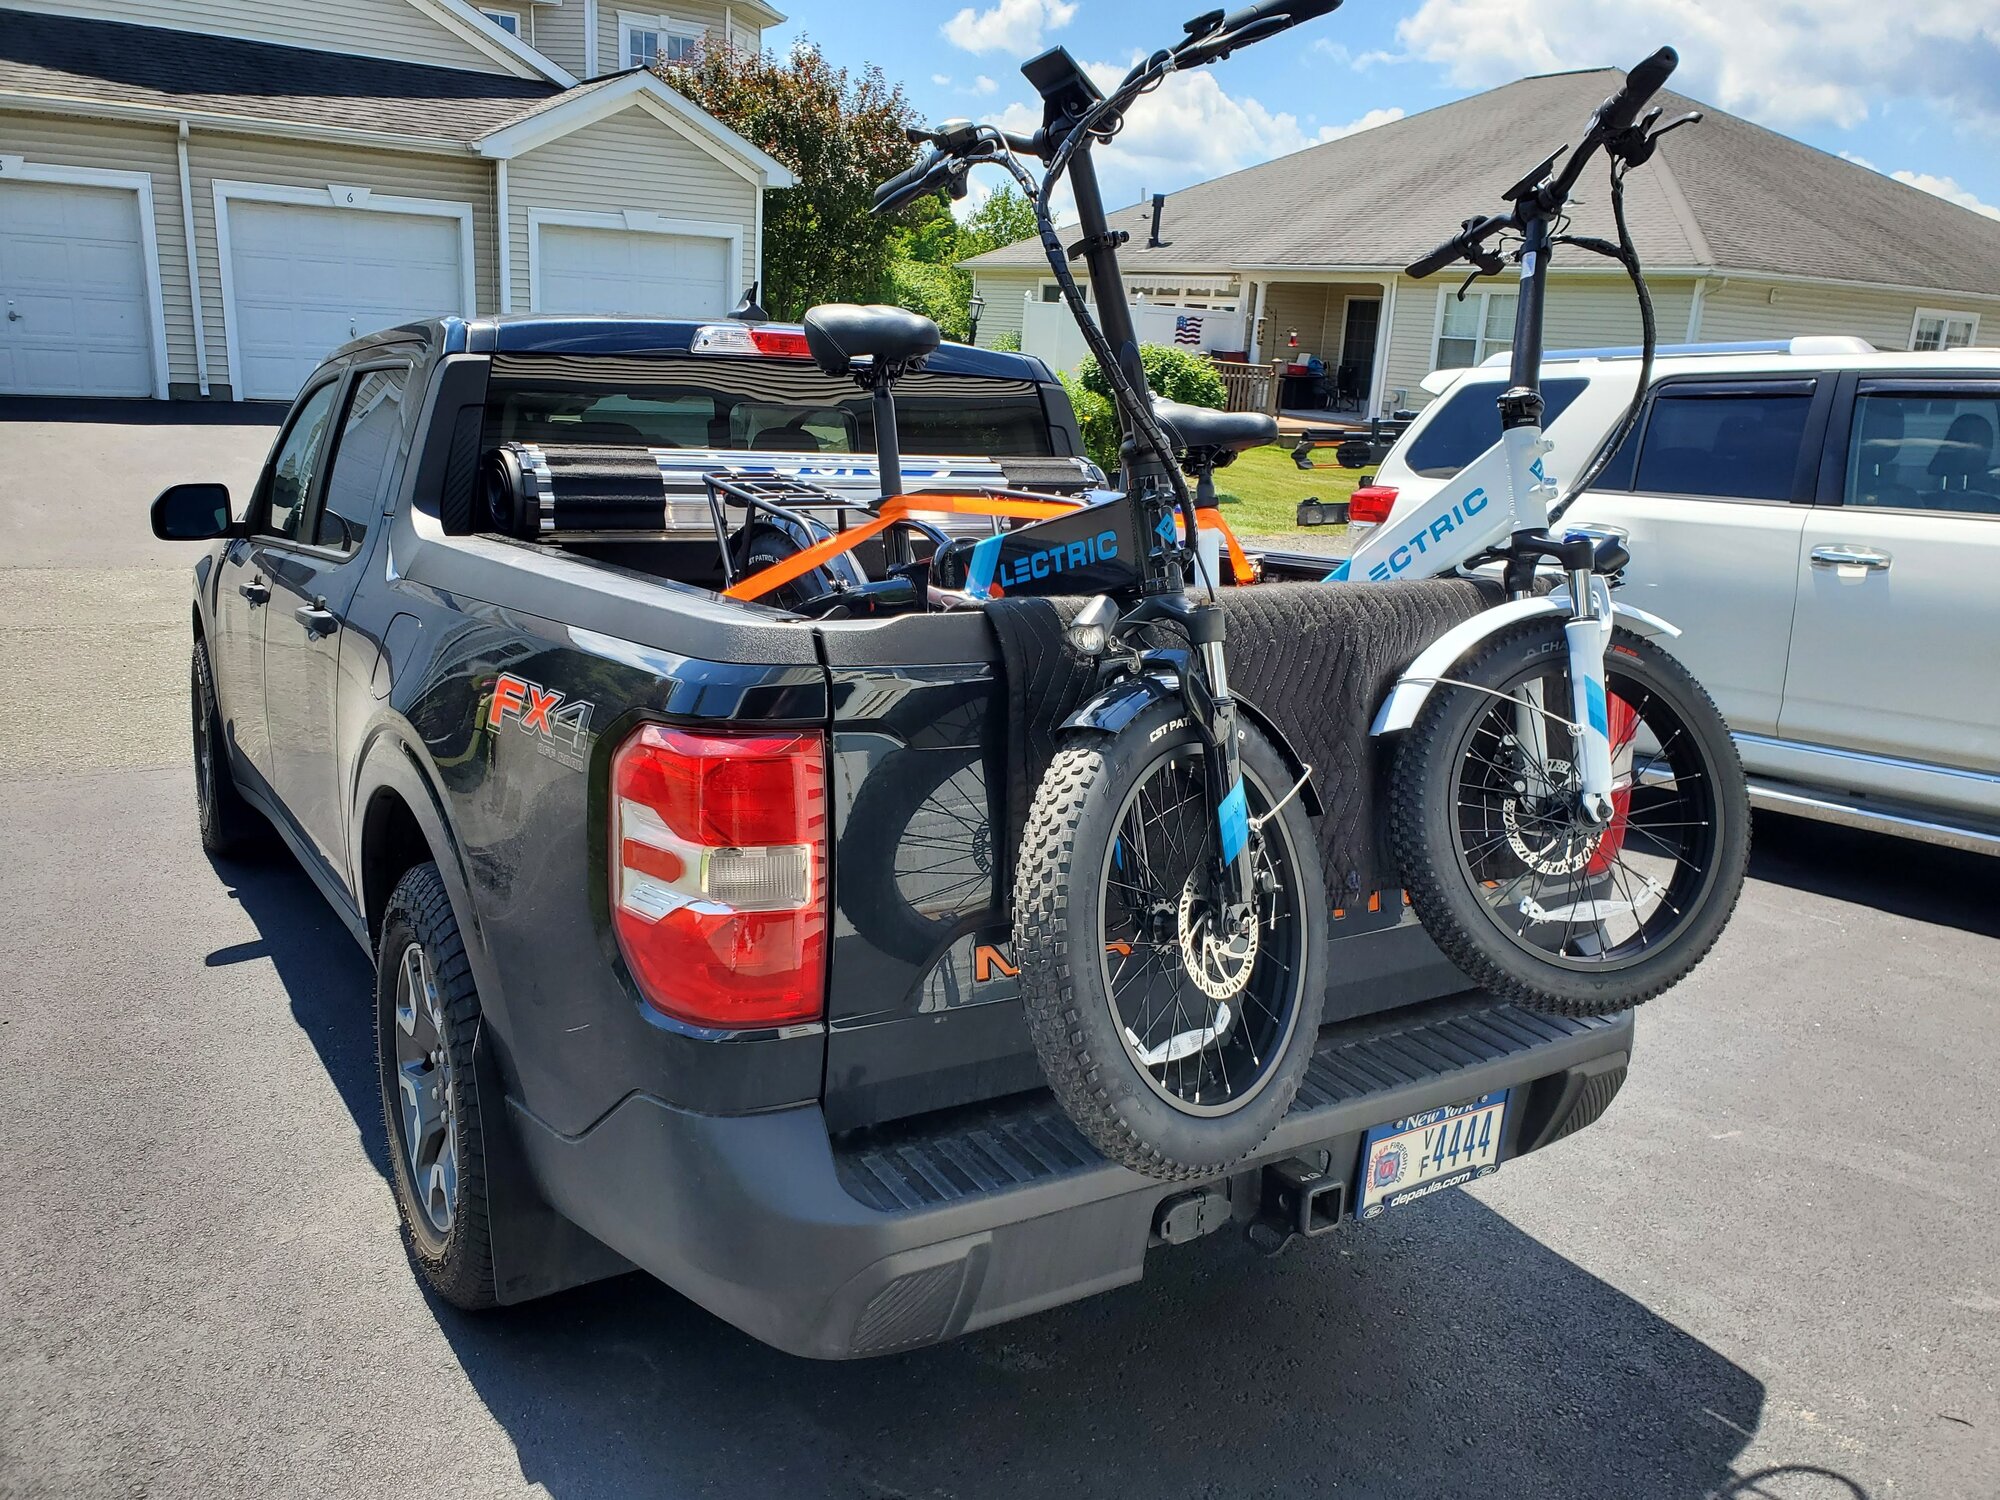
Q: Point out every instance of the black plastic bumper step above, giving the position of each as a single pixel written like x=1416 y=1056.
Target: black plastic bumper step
x=939 y=1159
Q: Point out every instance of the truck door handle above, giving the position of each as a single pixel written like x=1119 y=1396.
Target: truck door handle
x=256 y=592
x=317 y=618
x=1848 y=555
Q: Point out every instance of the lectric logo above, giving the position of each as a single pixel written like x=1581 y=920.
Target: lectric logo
x=1063 y=557
x=1437 y=531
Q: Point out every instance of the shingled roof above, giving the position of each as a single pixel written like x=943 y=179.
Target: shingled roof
x=72 y=60
x=1724 y=195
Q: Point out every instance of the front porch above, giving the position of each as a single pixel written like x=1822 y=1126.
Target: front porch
x=1333 y=335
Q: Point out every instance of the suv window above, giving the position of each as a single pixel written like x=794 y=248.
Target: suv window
x=371 y=441
x=1468 y=423
x=297 y=462
x=737 y=404
x=1912 y=450
x=1736 y=440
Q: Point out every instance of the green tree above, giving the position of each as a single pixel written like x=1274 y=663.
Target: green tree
x=841 y=133
x=1176 y=373
x=1005 y=216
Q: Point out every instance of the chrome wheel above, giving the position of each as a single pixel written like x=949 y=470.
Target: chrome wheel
x=429 y=1141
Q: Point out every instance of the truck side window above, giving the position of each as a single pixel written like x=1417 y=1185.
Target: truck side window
x=365 y=462
x=1909 y=451
x=297 y=461
x=1738 y=443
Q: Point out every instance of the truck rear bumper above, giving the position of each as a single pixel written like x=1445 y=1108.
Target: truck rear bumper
x=915 y=1233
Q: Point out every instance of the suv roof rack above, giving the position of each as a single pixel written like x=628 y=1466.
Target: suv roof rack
x=1815 y=344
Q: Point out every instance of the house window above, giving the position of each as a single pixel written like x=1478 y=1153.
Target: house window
x=1942 y=330
x=506 y=20
x=1470 y=329
x=655 y=38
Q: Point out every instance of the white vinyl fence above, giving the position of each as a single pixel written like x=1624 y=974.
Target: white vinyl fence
x=1050 y=333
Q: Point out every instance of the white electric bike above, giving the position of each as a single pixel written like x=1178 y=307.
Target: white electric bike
x=1567 y=807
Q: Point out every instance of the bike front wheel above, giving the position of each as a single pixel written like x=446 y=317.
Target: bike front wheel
x=1513 y=883
x=1174 y=1046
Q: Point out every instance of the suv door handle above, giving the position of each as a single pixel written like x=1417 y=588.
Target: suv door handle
x=317 y=618
x=256 y=591
x=1848 y=555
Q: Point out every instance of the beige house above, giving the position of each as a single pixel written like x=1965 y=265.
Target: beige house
x=1746 y=235
x=201 y=201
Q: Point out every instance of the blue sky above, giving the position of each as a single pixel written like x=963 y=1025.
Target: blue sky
x=1911 y=91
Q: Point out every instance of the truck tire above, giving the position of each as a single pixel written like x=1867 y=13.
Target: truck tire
x=229 y=824
x=1074 y=947
x=1509 y=881
x=426 y=1018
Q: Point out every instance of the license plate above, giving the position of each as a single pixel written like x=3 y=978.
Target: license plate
x=1429 y=1152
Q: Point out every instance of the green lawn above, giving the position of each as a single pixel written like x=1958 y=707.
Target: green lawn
x=1261 y=491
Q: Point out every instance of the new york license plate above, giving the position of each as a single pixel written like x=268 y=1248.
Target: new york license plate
x=1429 y=1152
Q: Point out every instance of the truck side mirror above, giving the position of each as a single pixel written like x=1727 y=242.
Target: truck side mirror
x=192 y=513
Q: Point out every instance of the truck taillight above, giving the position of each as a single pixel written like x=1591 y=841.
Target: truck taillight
x=1370 y=504
x=718 y=873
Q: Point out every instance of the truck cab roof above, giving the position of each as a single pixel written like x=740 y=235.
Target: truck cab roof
x=550 y=333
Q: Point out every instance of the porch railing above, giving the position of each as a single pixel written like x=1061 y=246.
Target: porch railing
x=1250 y=387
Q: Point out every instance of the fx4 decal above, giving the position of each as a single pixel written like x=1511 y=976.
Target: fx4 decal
x=561 y=728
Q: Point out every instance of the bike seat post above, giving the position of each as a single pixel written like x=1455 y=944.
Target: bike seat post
x=888 y=450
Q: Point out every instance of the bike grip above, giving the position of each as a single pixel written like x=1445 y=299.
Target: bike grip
x=1293 y=13
x=1619 y=111
x=907 y=186
x=1437 y=259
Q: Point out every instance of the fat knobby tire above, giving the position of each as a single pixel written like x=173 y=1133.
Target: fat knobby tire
x=460 y=1267
x=1063 y=989
x=1423 y=797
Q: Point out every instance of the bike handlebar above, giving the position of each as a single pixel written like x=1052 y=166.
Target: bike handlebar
x=1612 y=118
x=933 y=169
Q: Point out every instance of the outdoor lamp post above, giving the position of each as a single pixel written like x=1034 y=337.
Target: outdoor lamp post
x=973 y=308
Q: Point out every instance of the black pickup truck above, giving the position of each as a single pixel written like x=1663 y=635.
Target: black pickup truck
x=690 y=954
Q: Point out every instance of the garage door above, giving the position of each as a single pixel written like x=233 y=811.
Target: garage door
x=305 y=280
x=631 y=271
x=76 y=320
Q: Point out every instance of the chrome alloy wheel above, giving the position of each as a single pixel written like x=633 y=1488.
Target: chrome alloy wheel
x=424 y=1079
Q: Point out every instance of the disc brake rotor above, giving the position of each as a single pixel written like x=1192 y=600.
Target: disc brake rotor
x=1219 y=963
x=1549 y=847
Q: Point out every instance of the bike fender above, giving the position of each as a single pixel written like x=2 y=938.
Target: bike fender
x=1406 y=699
x=1114 y=707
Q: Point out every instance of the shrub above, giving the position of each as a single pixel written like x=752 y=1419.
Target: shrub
x=1173 y=372
x=1008 y=342
x=1095 y=419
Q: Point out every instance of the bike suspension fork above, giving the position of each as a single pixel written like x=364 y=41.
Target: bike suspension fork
x=1232 y=811
x=1588 y=634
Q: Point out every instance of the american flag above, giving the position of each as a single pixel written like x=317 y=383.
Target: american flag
x=1187 y=331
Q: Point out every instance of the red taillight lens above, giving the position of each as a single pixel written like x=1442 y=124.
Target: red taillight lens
x=789 y=343
x=1371 y=504
x=718 y=873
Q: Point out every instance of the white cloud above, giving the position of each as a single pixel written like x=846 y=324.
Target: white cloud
x=942 y=80
x=1947 y=188
x=1188 y=131
x=1011 y=26
x=984 y=85
x=1327 y=47
x=1784 y=62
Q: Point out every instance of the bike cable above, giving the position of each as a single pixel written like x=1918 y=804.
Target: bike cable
x=1627 y=255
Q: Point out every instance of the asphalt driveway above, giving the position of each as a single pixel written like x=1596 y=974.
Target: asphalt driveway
x=1769 y=1271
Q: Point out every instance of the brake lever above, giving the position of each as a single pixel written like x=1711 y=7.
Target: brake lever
x=1635 y=146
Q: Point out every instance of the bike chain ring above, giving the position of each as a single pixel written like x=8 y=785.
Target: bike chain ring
x=1577 y=853
x=1219 y=969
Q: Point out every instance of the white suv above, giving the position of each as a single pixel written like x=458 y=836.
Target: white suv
x=1823 y=522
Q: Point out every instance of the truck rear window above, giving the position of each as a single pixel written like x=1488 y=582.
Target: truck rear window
x=753 y=405
x=1467 y=423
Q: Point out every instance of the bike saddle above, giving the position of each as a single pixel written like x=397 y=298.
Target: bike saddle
x=1194 y=428
x=841 y=332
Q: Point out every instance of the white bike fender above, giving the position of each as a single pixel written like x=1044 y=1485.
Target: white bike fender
x=1399 y=709
x=1406 y=699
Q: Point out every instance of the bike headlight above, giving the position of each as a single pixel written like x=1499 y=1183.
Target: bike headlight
x=1090 y=632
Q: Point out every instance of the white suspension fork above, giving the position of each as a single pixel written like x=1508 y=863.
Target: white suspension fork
x=1588 y=633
